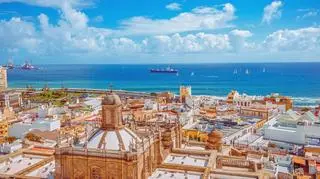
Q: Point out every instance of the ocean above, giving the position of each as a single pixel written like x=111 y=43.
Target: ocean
x=298 y=80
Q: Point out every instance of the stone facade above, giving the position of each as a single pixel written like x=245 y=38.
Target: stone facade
x=185 y=93
x=214 y=141
x=3 y=79
x=142 y=158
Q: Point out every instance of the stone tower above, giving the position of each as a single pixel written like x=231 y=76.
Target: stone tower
x=111 y=112
x=185 y=93
x=214 y=141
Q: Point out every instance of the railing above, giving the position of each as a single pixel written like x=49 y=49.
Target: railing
x=97 y=153
x=255 y=148
x=235 y=163
x=130 y=155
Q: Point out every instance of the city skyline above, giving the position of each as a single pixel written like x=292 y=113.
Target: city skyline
x=77 y=31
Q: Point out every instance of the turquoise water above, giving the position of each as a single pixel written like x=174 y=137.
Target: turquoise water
x=299 y=80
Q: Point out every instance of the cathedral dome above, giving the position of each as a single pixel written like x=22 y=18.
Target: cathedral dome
x=120 y=140
x=111 y=99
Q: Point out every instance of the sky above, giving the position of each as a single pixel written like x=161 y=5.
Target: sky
x=159 y=31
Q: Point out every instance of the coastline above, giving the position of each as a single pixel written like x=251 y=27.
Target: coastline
x=300 y=102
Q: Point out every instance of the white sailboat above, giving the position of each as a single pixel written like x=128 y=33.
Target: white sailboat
x=264 y=70
x=192 y=74
x=247 y=71
x=235 y=71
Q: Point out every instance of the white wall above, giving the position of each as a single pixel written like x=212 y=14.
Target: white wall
x=291 y=136
x=311 y=131
x=18 y=130
x=45 y=125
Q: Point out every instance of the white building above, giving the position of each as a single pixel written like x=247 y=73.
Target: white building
x=94 y=103
x=150 y=104
x=293 y=128
x=44 y=111
x=22 y=128
x=9 y=148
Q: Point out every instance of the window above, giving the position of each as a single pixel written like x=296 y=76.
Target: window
x=79 y=176
x=96 y=173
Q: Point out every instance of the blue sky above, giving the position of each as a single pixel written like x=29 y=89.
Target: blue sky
x=159 y=31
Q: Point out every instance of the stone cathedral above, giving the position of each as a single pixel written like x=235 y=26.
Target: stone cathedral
x=116 y=151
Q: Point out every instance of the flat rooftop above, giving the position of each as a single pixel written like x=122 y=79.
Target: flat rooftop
x=248 y=139
x=192 y=147
x=228 y=131
x=18 y=163
x=222 y=176
x=205 y=126
x=260 y=142
x=43 y=171
x=174 y=174
x=192 y=160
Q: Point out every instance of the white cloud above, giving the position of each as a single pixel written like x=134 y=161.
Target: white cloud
x=76 y=18
x=123 y=45
x=190 y=43
x=272 y=11
x=189 y=34
x=241 y=33
x=202 y=18
x=174 y=6
x=304 y=39
x=72 y=16
x=307 y=13
x=44 y=21
x=53 y=3
x=16 y=33
x=98 y=19
x=238 y=40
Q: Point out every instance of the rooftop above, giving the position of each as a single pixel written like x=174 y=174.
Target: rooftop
x=186 y=160
x=113 y=140
x=43 y=171
x=176 y=174
x=18 y=163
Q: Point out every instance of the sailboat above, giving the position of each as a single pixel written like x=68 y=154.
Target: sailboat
x=192 y=74
x=235 y=71
x=247 y=71
x=264 y=70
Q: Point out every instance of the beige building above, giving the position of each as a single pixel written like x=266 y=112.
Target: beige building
x=185 y=93
x=3 y=129
x=114 y=151
x=10 y=98
x=3 y=79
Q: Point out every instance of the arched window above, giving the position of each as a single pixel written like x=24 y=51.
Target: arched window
x=96 y=173
x=79 y=176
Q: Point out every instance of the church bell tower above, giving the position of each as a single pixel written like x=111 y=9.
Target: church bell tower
x=111 y=112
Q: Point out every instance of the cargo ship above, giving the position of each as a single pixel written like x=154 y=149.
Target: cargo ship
x=28 y=66
x=165 y=70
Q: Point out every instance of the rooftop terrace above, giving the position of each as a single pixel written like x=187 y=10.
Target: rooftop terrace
x=187 y=160
x=176 y=174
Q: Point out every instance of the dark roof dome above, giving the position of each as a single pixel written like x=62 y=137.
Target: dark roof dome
x=111 y=99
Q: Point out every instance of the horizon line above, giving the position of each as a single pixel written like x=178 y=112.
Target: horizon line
x=175 y=63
